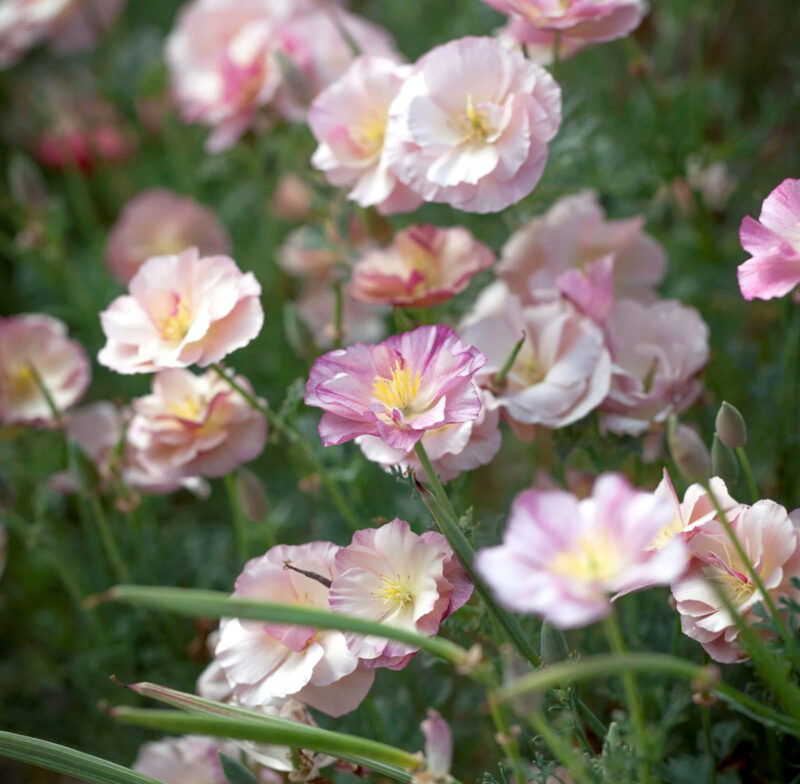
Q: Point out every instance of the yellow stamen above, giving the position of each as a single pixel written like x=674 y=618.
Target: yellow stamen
x=22 y=382
x=175 y=326
x=369 y=136
x=591 y=558
x=395 y=590
x=475 y=122
x=399 y=391
x=189 y=408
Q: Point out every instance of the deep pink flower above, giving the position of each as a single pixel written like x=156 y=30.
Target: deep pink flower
x=159 y=222
x=566 y=559
x=181 y=310
x=423 y=266
x=394 y=576
x=195 y=425
x=773 y=241
x=397 y=390
x=770 y=538
x=34 y=344
x=471 y=124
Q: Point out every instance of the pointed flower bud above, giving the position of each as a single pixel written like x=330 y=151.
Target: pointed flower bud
x=731 y=428
x=690 y=454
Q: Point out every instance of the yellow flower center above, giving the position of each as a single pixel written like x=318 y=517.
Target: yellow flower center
x=22 y=382
x=399 y=391
x=189 y=408
x=475 y=123
x=395 y=590
x=667 y=533
x=175 y=326
x=591 y=558
x=369 y=136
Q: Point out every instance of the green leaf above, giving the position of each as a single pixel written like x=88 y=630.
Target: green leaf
x=62 y=759
x=235 y=772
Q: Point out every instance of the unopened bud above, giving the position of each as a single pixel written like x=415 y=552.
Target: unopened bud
x=731 y=428
x=252 y=495
x=723 y=462
x=294 y=81
x=552 y=644
x=690 y=454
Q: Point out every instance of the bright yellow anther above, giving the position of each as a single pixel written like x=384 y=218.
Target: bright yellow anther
x=395 y=590
x=400 y=390
x=175 y=326
x=592 y=558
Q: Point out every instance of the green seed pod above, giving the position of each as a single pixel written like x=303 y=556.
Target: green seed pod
x=690 y=454
x=731 y=427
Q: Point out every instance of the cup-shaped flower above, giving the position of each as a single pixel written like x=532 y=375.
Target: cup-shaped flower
x=159 y=222
x=34 y=345
x=572 y=235
x=773 y=242
x=265 y=662
x=538 y=43
x=423 y=266
x=349 y=119
x=659 y=350
x=471 y=124
x=396 y=577
x=566 y=559
x=183 y=760
x=195 y=425
x=769 y=536
x=181 y=310
x=563 y=368
x=396 y=390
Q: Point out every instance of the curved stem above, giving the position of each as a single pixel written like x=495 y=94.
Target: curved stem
x=240 y=532
x=747 y=469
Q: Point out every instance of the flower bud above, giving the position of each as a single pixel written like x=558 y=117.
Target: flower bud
x=731 y=428
x=690 y=454
x=252 y=495
x=723 y=462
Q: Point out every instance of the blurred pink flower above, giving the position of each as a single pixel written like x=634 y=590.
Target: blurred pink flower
x=422 y=267
x=565 y=243
x=659 y=349
x=452 y=449
x=538 y=44
x=438 y=748
x=562 y=558
x=181 y=310
x=396 y=390
x=36 y=344
x=186 y=760
x=773 y=241
x=561 y=373
x=471 y=124
x=292 y=198
x=195 y=425
x=349 y=119
x=392 y=575
x=159 y=222
x=83 y=23
x=265 y=662
x=769 y=536
x=592 y=20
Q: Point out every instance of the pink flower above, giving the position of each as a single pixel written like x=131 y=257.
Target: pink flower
x=452 y=449
x=769 y=536
x=31 y=345
x=184 y=760
x=265 y=662
x=397 y=390
x=561 y=373
x=181 y=310
x=659 y=350
x=292 y=198
x=159 y=222
x=552 y=253
x=221 y=65
x=195 y=425
x=561 y=558
x=82 y=24
x=423 y=267
x=538 y=44
x=392 y=575
x=773 y=241
x=438 y=749
x=592 y=20
x=471 y=124
x=349 y=120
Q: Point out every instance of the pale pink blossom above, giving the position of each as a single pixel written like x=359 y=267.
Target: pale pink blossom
x=591 y=20
x=396 y=577
x=221 y=64
x=307 y=253
x=181 y=310
x=265 y=662
x=195 y=425
x=769 y=536
x=34 y=345
x=773 y=242
x=567 y=560
x=438 y=749
x=452 y=449
x=471 y=124
x=159 y=222
x=659 y=350
x=422 y=267
x=292 y=198
x=349 y=121
x=574 y=240
x=186 y=760
x=83 y=23
x=396 y=390
x=538 y=44
x=563 y=369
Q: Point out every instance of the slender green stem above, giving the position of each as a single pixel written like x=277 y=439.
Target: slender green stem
x=293 y=437
x=556 y=53
x=506 y=737
x=617 y=643
x=446 y=519
x=113 y=555
x=240 y=527
x=499 y=378
x=338 y=315
x=706 y=714
x=567 y=756
x=747 y=469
